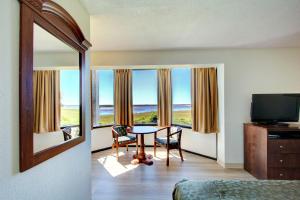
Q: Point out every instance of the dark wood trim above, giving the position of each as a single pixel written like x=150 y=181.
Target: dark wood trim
x=103 y=149
x=272 y=151
x=198 y=154
x=53 y=13
x=58 y=22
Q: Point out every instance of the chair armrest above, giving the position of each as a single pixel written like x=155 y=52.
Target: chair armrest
x=115 y=134
x=174 y=133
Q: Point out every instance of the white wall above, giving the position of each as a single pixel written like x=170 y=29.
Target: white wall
x=64 y=177
x=246 y=71
x=195 y=142
x=101 y=138
x=205 y=144
x=54 y=59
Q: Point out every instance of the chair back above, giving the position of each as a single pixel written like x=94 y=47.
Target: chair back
x=67 y=133
x=178 y=131
x=121 y=130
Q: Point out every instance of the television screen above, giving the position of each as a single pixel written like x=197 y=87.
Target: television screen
x=275 y=108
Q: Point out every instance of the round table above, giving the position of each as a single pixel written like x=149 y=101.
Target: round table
x=141 y=157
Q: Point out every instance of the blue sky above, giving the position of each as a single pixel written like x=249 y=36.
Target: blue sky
x=144 y=86
x=181 y=85
x=106 y=87
x=69 y=85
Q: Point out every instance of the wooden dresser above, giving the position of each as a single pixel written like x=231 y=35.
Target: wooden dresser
x=272 y=152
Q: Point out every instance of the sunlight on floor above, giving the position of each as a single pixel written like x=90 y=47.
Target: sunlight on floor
x=116 y=168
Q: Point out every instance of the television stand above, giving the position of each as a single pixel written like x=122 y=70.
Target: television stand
x=279 y=124
x=272 y=151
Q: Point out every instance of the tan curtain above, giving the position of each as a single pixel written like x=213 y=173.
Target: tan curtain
x=123 y=97
x=204 y=100
x=164 y=97
x=46 y=99
x=94 y=98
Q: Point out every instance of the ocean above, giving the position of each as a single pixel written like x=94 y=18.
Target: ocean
x=109 y=110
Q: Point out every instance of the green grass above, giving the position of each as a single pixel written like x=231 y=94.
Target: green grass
x=139 y=118
x=183 y=117
x=106 y=119
x=71 y=117
x=179 y=117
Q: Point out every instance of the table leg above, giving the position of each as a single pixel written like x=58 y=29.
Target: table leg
x=141 y=157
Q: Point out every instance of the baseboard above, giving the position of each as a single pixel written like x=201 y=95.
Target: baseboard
x=231 y=165
x=99 y=150
x=198 y=154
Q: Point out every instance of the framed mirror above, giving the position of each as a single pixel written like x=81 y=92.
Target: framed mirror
x=52 y=65
x=56 y=88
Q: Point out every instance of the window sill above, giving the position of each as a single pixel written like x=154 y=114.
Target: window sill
x=72 y=126
x=146 y=124
x=182 y=126
x=110 y=125
x=103 y=126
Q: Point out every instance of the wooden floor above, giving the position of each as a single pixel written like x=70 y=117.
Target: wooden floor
x=112 y=179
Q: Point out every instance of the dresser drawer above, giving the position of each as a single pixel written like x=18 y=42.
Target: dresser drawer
x=284 y=174
x=284 y=160
x=283 y=146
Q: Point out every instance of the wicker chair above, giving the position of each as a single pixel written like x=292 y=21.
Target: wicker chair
x=122 y=139
x=169 y=142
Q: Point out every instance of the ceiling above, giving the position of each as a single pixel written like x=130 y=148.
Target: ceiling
x=188 y=24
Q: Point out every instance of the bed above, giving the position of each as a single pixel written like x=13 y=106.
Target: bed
x=237 y=189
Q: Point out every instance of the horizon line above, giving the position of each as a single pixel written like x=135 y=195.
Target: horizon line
x=133 y=105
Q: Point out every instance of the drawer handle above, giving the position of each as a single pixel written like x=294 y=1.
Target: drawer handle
x=280 y=174
x=281 y=146
x=281 y=161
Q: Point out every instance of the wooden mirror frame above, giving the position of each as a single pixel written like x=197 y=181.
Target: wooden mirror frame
x=58 y=22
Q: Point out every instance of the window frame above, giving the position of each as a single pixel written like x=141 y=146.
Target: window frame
x=149 y=124
x=172 y=92
x=62 y=126
x=113 y=105
x=145 y=124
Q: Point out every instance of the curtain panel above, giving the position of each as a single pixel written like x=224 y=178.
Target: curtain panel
x=164 y=97
x=94 y=98
x=205 y=100
x=123 y=97
x=46 y=99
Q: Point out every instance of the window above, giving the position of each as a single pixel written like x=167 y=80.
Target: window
x=69 y=92
x=106 y=97
x=144 y=88
x=181 y=96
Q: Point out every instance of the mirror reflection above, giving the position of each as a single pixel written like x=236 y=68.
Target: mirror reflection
x=56 y=91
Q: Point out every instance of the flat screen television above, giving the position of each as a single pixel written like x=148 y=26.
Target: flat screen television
x=274 y=108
